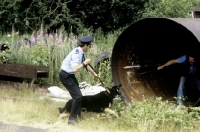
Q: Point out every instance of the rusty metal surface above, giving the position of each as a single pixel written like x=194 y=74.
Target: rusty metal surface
x=23 y=70
x=145 y=45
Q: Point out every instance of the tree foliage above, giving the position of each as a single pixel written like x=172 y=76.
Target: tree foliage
x=169 y=8
x=28 y=15
x=109 y=15
x=106 y=14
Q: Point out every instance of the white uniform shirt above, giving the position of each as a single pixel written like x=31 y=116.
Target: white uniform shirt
x=73 y=59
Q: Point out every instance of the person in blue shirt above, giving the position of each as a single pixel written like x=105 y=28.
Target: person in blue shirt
x=71 y=65
x=190 y=70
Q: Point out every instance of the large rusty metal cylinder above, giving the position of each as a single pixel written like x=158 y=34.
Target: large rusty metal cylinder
x=145 y=45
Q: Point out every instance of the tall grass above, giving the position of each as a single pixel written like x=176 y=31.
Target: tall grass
x=50 y=50
x=26 y=106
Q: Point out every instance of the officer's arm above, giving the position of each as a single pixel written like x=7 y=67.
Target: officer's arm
x=77 y=68
x=170 y=62
x=92 y=71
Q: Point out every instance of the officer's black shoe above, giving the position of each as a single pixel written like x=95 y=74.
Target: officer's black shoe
x=72 y=121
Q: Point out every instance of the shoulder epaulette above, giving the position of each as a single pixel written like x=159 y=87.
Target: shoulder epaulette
x=77 y=51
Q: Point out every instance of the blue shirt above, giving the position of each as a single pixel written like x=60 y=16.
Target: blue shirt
x=182 y=59
x=73 y=59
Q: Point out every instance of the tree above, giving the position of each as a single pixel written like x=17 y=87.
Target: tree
x=109 y=15
x=28 y=15
x=167 y=8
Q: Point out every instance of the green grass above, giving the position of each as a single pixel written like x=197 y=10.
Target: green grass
x=24 y=106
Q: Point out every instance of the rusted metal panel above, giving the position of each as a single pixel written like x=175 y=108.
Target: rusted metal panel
x=145 y=45
x=23 y=70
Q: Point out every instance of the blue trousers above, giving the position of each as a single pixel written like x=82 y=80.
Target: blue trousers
x=182 y=89
x=71 y=84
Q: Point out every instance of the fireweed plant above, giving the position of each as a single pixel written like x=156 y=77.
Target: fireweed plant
x=50 y=49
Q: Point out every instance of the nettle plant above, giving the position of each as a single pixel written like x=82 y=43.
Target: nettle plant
x=4 y=53
x=104 y=70
x=5 y=56
x=40 y=55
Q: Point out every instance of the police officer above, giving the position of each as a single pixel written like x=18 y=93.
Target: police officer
x=71 y=65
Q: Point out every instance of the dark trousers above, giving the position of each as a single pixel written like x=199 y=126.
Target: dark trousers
x=71 y=84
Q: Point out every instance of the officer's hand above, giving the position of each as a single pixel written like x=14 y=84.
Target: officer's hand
x=96 y=75
x=160 y=67
x=87 y=61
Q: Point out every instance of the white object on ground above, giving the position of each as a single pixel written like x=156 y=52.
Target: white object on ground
x=59 y=95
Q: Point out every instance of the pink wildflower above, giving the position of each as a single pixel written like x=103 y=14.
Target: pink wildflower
x=41 y=33
x=50 y=36
x=59 y=46
x=27 y=46
x=33 y=39
x=60 y=38
x=95 y=49
x=74 y=41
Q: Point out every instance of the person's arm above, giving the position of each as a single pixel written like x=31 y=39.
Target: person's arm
x=79 y=67
x=92 y=71
x=170 y=62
